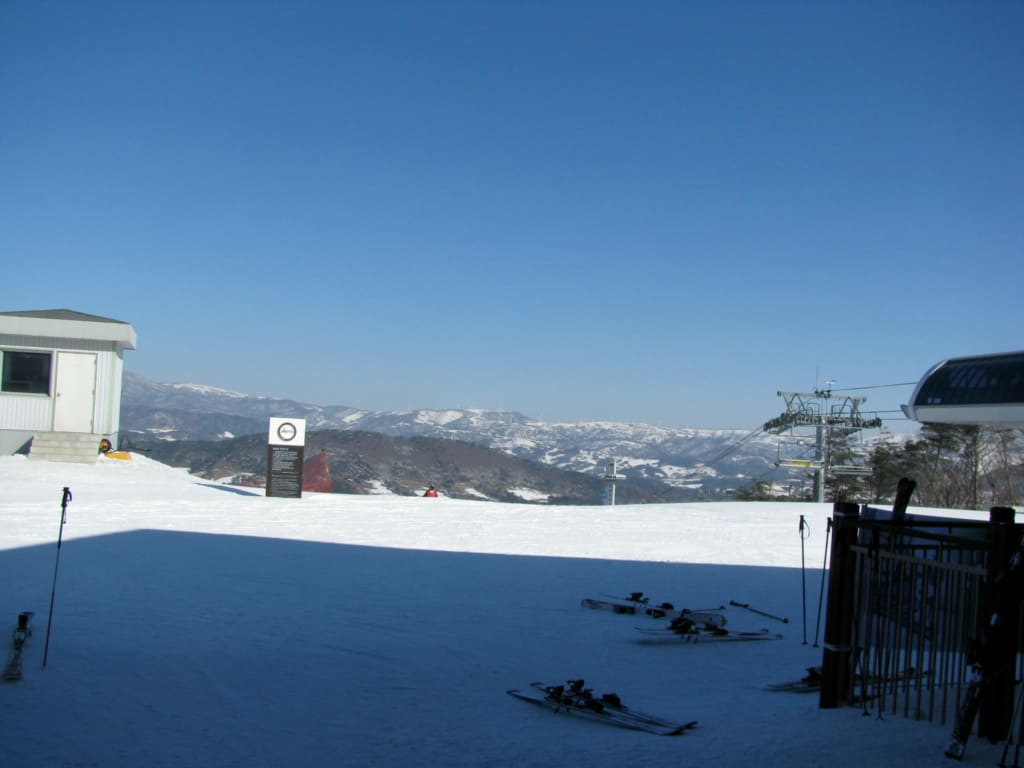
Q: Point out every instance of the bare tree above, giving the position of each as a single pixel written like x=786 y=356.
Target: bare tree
x=956 y=466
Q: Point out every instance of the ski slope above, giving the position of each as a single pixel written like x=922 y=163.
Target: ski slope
x=198 y=624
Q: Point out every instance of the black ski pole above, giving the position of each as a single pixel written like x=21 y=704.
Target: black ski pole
x=53 y=592
x=761 y=613
x=803 y=571
x=821 y=590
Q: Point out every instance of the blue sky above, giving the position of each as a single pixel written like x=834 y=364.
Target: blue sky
x=644 y=211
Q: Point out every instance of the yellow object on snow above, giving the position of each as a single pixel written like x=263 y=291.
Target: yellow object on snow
x=105 y=447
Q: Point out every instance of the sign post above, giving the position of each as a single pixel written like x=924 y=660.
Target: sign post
x=285 y=445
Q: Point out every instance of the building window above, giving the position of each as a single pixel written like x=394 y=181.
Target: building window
x=26 y=372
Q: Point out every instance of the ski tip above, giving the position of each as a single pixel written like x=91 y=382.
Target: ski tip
x=679 y=731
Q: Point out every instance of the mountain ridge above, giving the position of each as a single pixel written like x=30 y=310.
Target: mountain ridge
x=701 y=463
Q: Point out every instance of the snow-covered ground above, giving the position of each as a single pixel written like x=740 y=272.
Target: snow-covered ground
x=197 y=624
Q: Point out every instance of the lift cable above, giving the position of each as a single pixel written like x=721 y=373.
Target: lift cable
x=730 y=449
x=875 y=386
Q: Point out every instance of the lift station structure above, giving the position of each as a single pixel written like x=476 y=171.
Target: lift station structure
x=832 y=418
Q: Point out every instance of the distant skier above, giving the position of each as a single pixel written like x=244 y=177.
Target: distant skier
x=431 y=492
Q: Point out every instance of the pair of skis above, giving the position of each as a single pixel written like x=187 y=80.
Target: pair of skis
x=705 y=625
x=639 y=605
x=635 y=604
x=20 y=636
x=695 y=634
x=577 y=701
x=811 y=682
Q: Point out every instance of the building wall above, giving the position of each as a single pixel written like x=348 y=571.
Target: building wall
x=24 y=414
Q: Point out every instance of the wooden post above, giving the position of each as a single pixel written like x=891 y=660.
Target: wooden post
x=835 y=659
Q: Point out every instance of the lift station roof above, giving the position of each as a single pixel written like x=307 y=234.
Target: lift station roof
x=983 y=389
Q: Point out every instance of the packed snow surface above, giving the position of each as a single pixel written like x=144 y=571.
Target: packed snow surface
x=197 y=624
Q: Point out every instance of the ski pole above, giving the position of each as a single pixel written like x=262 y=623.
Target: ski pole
x=760 y=613
x=821 y=591
x=53 y=592
x=803 y=570
x=703 y=610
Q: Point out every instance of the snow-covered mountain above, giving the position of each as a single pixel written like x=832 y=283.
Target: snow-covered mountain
x=708 y=461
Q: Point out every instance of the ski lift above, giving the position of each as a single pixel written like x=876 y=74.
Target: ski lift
x=850 y=471
x=855 y=462
x=794 y=459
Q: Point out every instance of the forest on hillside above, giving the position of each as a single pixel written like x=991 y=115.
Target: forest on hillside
x=954 y=466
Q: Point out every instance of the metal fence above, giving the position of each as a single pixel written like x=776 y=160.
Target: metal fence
x=907 y=604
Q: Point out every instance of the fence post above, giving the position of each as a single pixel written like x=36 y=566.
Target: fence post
x=835 y=658
x=999 y=607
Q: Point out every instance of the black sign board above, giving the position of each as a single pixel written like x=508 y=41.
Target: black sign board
x=284 y=457
x=284 y=471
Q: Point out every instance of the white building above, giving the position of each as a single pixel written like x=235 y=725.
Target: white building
x=61 y=380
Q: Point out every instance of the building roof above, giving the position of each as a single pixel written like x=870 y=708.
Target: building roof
x=60 y=314
x=67 y=323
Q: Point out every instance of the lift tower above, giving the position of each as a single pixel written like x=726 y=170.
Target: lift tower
x=611 y=476
x=831 y=416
